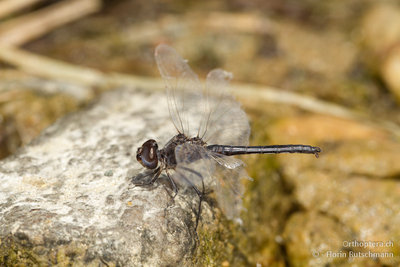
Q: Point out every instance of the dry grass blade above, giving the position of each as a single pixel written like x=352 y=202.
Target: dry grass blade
x=49 y=68
x=28 y=27
x=9 y=7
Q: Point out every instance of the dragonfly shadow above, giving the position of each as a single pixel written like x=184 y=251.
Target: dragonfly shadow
x=152 y=179
x=143 y=178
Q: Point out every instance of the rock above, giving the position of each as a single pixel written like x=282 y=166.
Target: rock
x=326 y=53
x=26 y=110
x=314 y=239
x=351 y=193
x=391 y=70
x=68 y=198
x=380 y=36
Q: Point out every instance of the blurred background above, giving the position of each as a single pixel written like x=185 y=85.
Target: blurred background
x=323 y=73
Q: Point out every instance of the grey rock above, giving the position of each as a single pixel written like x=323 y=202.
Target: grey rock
x=68 y=197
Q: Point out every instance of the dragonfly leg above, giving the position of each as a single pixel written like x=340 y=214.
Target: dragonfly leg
x=174 y=187
x=157 y=174
x=200 y=194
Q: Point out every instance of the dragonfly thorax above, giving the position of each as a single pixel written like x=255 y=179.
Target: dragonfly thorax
x=167 y=154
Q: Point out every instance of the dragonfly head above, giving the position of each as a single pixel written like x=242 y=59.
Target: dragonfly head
x=147 y=154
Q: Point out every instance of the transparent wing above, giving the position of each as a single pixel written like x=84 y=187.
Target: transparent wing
x=194 y=166
x=184 y=91
x=197 y=165
x=226 y=123
x=227 y=162
x=229 y=187
x=215 y=115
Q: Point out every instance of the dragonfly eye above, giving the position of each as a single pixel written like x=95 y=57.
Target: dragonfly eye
x=147 y=154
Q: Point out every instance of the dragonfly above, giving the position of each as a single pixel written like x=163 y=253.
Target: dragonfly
x=211 y=128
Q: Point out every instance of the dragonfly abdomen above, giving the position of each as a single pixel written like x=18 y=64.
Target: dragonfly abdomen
x=274 y=149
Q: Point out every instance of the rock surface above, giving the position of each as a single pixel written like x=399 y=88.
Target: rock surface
x=67 y=198
x=350 y=194
x=380 y=36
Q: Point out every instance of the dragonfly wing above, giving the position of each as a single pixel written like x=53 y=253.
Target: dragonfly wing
x=184 y=91
x=227 y=162
x=229 y=186
x=222 y=121
x=197 y=165
x=226 y=123
x=194 y=166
